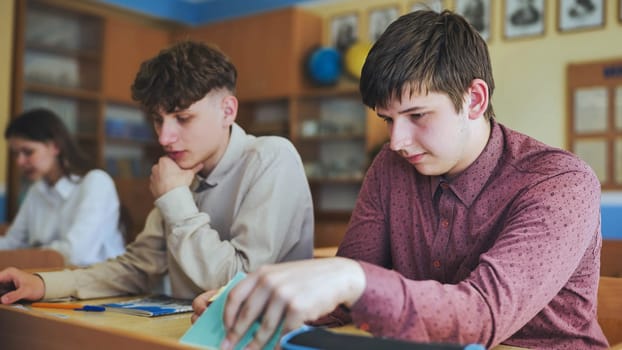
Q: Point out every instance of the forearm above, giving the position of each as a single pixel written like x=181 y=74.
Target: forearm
x=394 y=306
x=136 y=271
x=263 y=230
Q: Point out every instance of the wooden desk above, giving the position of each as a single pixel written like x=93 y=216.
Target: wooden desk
x=23 y=327
x=32 y=258
x=325 y=252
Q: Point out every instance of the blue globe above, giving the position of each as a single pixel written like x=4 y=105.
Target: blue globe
x=324 y=65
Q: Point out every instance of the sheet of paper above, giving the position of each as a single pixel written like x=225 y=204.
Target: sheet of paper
x=209 y=330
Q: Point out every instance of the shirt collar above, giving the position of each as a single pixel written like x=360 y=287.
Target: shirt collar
x=468 y=184
x=63 y=187
x=232 y=154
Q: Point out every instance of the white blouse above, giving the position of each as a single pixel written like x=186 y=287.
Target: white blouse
x=78 y=217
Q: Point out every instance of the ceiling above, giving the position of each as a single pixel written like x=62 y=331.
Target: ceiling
x=199 y=12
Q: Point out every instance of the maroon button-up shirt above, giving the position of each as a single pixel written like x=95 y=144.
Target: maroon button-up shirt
x=507 y=252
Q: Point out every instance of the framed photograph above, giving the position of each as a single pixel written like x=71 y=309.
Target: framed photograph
x=434 y=5
x=523 y=18
x=580 y=14
x=477 y=12
x=379 y=20
x=344 y=31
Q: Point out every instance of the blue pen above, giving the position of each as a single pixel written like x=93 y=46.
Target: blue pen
x=91 y=308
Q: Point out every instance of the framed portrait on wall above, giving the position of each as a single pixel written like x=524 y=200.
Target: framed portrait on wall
x=379 y=20
x=344 y=31
x=477 y=12
x=580 y=14
x=434 y=5
x=523 y=18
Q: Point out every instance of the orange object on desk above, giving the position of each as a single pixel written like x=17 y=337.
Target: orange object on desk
x=69 y=306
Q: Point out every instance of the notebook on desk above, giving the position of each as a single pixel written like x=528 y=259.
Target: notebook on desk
x=154 y=305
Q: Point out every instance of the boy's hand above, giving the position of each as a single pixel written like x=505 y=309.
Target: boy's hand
x=167 y=175
x=200 y=303
x=27 y=286
x=289 y=294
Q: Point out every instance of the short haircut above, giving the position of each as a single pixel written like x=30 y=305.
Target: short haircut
x=425 y=51
x=181 y=75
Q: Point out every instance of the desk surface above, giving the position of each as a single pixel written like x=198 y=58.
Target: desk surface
x=24 y=327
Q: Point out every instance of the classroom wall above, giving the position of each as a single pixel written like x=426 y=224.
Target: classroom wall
x=6 y=58
x=529 y=73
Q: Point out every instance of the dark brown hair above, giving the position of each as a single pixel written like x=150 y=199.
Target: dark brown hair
x=181 y=75
x=425 y=51
x=43 y=125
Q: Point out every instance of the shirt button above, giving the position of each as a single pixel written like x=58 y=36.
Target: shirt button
x=436 y=264
x=444 y=223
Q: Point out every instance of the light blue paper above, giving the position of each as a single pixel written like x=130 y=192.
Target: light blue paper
x=209 y=329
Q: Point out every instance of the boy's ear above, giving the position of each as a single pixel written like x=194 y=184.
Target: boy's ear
x=230 y=109
x=478 y=98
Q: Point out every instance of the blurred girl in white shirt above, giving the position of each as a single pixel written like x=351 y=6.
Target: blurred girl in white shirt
x=70 y=207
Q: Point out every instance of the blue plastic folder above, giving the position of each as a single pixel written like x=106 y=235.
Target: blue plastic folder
x=209 y=330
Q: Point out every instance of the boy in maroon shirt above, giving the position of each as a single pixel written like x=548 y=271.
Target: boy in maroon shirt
x=464 y=231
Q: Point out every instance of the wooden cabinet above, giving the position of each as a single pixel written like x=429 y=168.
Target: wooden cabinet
x=130 y=147
x=58 y=66
x=267 y=49
x=80 y=60
x=329 y=131
x=126 y=46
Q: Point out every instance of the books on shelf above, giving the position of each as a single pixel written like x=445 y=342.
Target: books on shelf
x=153 y=305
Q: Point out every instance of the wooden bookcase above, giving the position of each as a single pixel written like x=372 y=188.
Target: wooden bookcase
x=58 y=65
x=79 y=59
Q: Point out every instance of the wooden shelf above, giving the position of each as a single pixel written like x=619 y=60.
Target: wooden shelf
x=73 y=39
x=344 y=87
x=62 y=91
x=92 y=55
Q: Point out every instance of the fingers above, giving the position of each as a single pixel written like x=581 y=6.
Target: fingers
x=236 y=314
x=286 y=294
x=270 y=324
x=11 y=297
x=8 y=286
x=201 y=302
